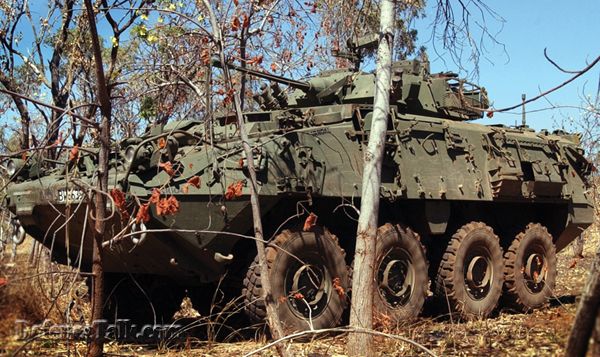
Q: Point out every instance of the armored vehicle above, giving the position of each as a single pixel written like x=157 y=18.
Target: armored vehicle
x=468 y=211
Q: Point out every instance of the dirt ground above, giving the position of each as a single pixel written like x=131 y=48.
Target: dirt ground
x=540 y=333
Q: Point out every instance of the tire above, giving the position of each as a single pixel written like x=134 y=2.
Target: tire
x=470 y=276
x=401 y=258
x=324 y=267
x=530 y=269
x=254 y=304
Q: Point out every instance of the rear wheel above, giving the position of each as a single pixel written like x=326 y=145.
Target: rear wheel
x=401 y=278
x=471 y=272
x=530 y=268
x=309 y=279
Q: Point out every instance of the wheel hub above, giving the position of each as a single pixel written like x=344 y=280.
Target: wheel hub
x=534 y=271
x=308 y=289
x=479 y=272
x=396 y=277
x=308 y=280
x=478 y=276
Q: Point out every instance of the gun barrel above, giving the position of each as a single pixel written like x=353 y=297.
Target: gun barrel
x=304 y=86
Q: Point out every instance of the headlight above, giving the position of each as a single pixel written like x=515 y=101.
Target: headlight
x=14 y=165
x=135 y=155
x=129 y=153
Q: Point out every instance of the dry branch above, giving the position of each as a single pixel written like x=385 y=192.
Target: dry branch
x=545 y=93
x=341 y=329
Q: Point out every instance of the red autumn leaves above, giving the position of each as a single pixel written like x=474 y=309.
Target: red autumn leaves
x=337 y=286
x=310 y=222
x=143 y=214
x=193 y=181
x=234 y=190
x=74 y=154
x=165 y=206
x=255 y=60
x=118 y=198
x=240 y=22
x=169 y=205
x=168 y=167
x=235 y=24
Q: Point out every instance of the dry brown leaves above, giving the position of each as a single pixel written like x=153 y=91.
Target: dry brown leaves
x=192 y=181
x=234 y=190
x=310 y=222
x=168 y=167
x=167 y=206
x=164 y=206
x=155 y=197
x=74 y=153
x=143 y=214
x=118 y=197
x=337 y=286
x=235 y=24
x=255 y=60
x=59 y=141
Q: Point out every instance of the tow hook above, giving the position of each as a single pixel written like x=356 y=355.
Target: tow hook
x=18 y=232
x=141 y=228
x=220 y=258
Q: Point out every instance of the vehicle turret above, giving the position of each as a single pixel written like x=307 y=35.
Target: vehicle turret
x=414 y=90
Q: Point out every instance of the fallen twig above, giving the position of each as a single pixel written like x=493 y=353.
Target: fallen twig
x=341 y=329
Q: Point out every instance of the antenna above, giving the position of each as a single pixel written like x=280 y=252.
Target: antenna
x=523 y=120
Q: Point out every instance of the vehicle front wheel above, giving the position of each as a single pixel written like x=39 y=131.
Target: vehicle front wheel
x=309 y=280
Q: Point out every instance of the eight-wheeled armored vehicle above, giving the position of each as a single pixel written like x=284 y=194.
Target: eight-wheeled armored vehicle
x=468 y=211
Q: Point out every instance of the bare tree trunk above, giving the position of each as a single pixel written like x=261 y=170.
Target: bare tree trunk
x=97 y=334
x=243 y=43
x=587 y=313
x=61 y=86
x=273 y=320
x=361 y=314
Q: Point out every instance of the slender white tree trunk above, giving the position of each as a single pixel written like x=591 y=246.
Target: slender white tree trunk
x=361 y=314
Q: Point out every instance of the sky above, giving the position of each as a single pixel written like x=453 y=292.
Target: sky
x=570 y=30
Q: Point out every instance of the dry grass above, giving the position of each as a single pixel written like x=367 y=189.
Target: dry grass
x=37 y=290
